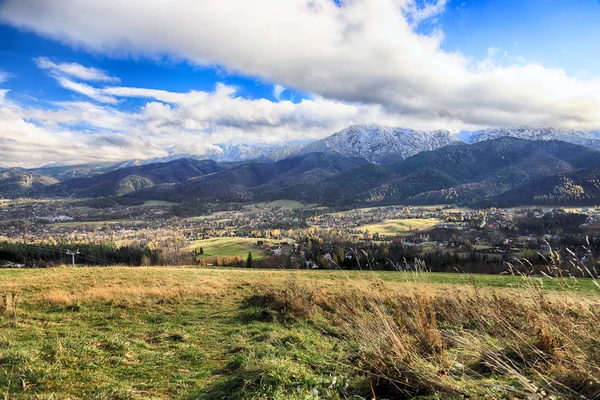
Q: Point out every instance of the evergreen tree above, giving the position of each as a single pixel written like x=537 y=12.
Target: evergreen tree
x=249 y=260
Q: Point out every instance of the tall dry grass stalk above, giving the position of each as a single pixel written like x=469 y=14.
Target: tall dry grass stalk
x=8 y=303
x=473 y=342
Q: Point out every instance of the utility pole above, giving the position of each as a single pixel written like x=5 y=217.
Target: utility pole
x=72 y=254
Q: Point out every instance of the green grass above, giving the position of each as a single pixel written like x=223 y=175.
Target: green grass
x=93 y=223
x=189 y=333
x=400 y=226
x=231 y=247
x=156 y=203
x=289 y=204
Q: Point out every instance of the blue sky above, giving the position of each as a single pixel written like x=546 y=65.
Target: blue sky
x=556 y=33
x=112 y=80
x=19 y=49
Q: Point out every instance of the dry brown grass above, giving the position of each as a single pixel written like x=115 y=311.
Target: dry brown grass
x=405 y=338
x=476 y=342
x=8 y=303
x=115 y=285
x=58 y=297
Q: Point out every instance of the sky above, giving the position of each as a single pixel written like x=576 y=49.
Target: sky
x=111 y=80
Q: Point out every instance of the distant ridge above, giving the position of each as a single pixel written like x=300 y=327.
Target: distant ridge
x=587 y=139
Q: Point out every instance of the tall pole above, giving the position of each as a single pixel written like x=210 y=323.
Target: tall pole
x=72 y=254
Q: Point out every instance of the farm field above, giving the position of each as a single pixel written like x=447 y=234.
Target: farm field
x=231 y=247
x=57 y=225
x=153 y=203
x=214 y=333
x=288 y=204
x=399 y=226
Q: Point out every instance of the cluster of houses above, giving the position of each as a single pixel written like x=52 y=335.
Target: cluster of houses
x=458 y=228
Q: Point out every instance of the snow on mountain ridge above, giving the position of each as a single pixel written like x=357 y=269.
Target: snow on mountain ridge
x=221 y=153
x=239 y=152
x=587 y=139
x=380 y=143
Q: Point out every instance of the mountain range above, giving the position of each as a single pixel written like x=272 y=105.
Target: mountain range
x=587 y=139
x=380 y=144
x=361 y=165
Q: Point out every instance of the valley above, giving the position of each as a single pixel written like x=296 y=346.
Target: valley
x=295 y=235
x=297 y=274
x=299 y=200
x=342 y=202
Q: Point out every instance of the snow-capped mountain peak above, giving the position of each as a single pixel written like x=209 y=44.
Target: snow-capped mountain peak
x=380 y=143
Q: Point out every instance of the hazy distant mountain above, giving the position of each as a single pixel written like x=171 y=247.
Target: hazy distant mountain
x=587 y=139
x=240 y=152
x=283 y=153
x=381 y=144
x=225 y=153
x=155 y=160
x=375 y=143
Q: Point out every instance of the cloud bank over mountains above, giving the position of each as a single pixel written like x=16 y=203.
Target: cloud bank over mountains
x=358 y=61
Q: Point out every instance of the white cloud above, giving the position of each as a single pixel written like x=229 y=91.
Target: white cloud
x=190 y=122
x=75 y=70
x=4 y=76
x=361 y=63
x=277 y=90
x=86 y=90
x=419 y=12
x=364 y=51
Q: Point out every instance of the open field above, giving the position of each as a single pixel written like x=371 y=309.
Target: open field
x=210 y=333
x=252 y=209
x=399 y=226
x=289 y=204
x=93 y=223
x=156 y=203
x=231 y=247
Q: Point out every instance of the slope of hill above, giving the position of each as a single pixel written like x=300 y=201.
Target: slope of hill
x=250 y=181
x=579 y=187
x=464 y=174
x=17 y=183
x=490 y=168
x=125 y=180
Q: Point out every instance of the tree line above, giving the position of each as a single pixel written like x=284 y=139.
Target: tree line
x=42 y=255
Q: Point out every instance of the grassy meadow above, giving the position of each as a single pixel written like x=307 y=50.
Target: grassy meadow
x=217 y=333
x=395 y=227
x=231 y=247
